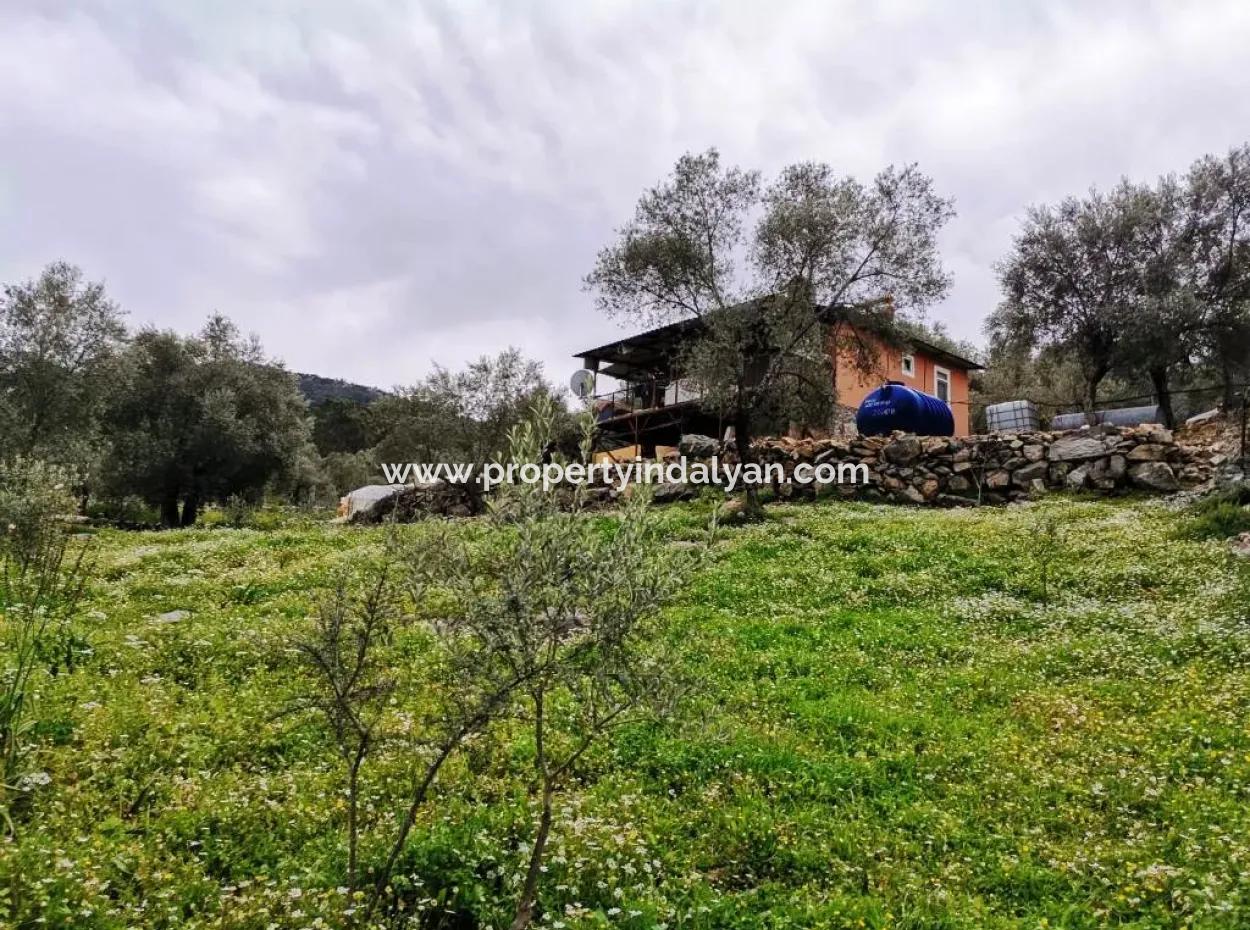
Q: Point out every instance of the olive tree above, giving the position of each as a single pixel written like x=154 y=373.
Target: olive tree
x=199 y=419
x=1071 y=281
x=546 y=616
x=59 y=335
x=772 y=274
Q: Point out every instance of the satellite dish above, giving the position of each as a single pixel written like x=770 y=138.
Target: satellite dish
x=582 y=383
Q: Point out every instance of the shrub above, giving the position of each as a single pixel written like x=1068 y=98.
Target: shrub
x=34 y=497
x=1218 y=516
x=41 y=584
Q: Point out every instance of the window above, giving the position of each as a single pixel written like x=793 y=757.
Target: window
x=942 y=384
x=909 y=365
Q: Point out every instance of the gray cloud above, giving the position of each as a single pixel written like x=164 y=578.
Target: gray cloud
x=374 y=186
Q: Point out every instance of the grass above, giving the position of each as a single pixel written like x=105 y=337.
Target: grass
x=904 y=718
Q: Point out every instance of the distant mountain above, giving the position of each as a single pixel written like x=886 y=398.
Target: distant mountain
x=317 y=390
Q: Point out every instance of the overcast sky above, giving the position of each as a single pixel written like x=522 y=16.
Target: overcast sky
x=373 y=186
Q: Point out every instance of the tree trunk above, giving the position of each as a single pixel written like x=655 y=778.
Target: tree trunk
x=746 y=455
x=529 y=894
x=1163 y=395
x=169 y=510
x=353 y=815
x=1091 y=400
x=190 y=510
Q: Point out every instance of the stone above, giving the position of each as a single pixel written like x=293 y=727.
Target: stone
x=733 y=510
x=1191 y=474
x=958 y=483
x=902 y=451
x=1033 y=453
x=1205 y=417
x=1105 y=473
x=671 y=491
x=998 y=479
x=1037 y=486
x=364 y=500
x=173 y=616
x=417 y=501
x=1240 y=545
x=929 y=488
x=1148 y=452
x=1027 y=474
x=951 y=500
x=1075 y=479
x=913 y=495
x=697 y=446
x=1153 y=476
x=1076 y=449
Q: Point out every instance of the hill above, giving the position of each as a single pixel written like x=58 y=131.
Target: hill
x=317 y=390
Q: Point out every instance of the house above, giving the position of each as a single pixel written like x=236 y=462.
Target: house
x=655 y=406
x=918 y=364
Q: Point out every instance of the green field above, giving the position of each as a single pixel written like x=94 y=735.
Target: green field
x=902 y=718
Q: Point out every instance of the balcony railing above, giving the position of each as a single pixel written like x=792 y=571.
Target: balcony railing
x=648 y=395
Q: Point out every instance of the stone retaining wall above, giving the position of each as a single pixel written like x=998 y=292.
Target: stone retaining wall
x=996 y=468
x=946 y=472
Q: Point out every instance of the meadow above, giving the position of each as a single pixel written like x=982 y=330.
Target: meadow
x=1035 y=716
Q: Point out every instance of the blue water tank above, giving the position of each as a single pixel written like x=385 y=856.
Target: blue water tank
x=895 y=406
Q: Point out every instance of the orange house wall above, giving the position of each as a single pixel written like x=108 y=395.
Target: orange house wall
x=854 y=385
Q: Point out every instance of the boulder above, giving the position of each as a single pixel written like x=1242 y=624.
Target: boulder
x=671 y=491
x=733 y=510
x=1076 y=449
x=912 y=495
x=998 y=479
x=1148 y=452
x=1205 y=417
x=363 y=500
x=902 y=451
x=1027 y=474
x=697 y=446
x=417 y=501
x=1153 y=476
x=1076 y=478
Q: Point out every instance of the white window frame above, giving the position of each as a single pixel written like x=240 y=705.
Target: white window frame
x=938 y=374
x=908 y=365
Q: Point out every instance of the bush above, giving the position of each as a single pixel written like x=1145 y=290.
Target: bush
x=1219 y=516
x=34 y=499
x=41 y=584
x=128 y=512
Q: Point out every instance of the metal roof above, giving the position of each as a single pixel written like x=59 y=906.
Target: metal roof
x=652 y=350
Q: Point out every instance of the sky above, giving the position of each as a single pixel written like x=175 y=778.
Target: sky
x=372 y=187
